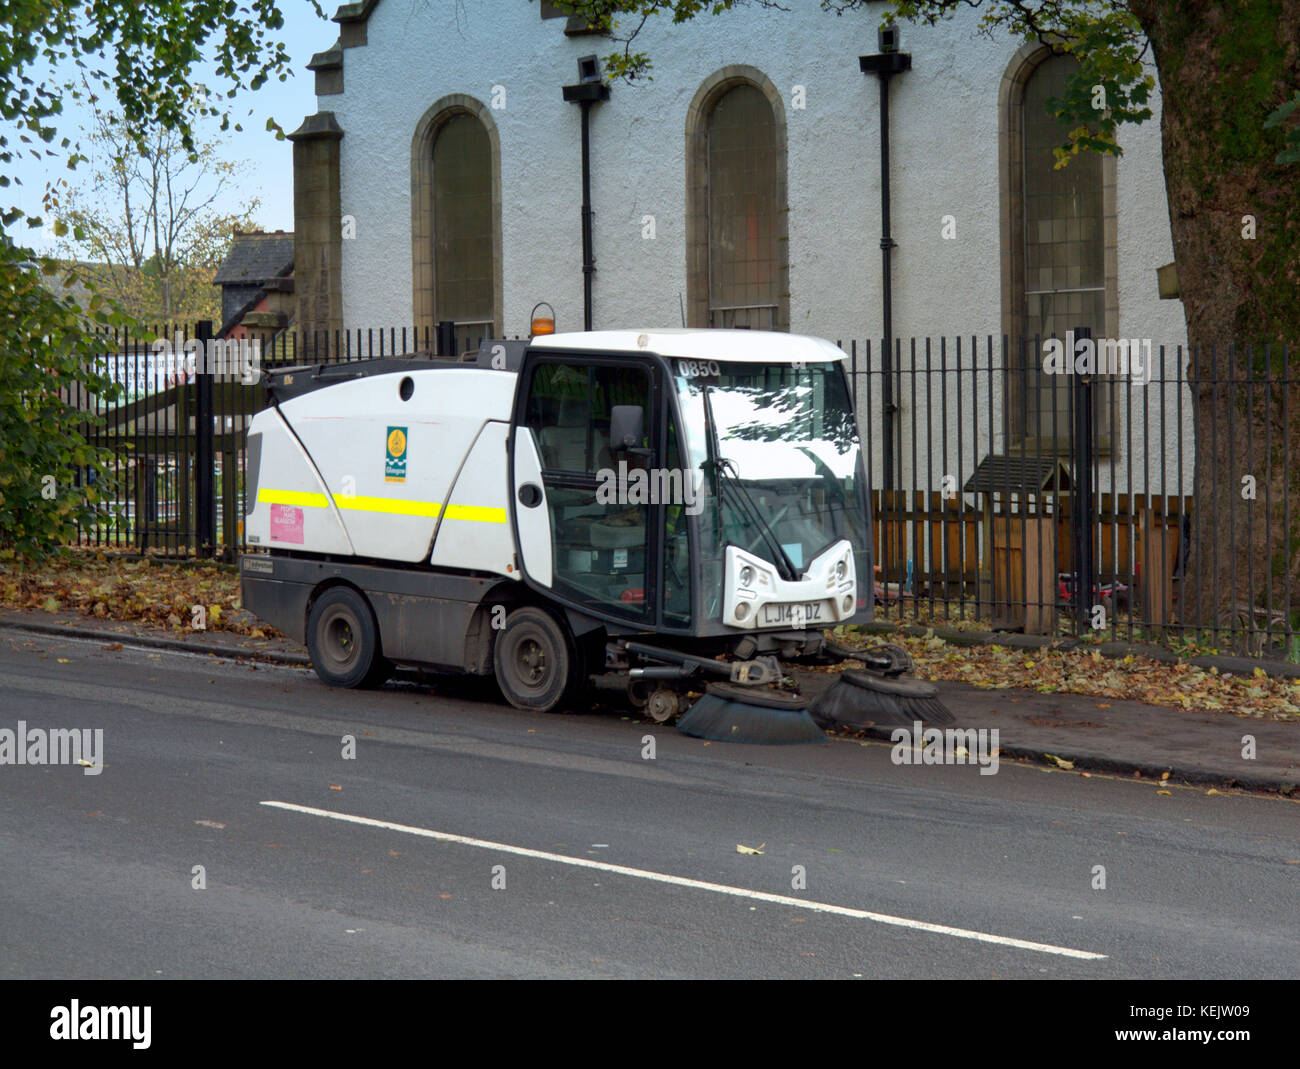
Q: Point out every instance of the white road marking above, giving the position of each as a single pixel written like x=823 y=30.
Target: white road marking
x=699 y=885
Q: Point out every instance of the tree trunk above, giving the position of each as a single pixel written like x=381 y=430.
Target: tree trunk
x=1235 y=218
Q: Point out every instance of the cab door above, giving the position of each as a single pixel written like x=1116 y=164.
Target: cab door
x=587 y=519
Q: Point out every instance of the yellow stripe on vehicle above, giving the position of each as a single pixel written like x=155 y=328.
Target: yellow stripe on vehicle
x=476 y=513
x=292 y=497
x=393 y=505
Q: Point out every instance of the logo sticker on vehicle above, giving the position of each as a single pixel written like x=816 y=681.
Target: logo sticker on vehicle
x=395 y=462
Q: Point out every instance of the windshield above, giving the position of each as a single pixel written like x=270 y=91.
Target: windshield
x=779 y=456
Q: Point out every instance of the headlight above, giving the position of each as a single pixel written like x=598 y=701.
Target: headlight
x=742 y=610
x=746 y=576
x=841 y=570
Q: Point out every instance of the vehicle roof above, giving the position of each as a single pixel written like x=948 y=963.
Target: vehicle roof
x=747 y=346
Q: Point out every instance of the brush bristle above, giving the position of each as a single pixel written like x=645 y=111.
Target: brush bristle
x=931 y=711
x=729 y=720
x=850 y=705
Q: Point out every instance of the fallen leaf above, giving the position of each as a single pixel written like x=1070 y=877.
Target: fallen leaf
x=333 y=788
x=1164 y=792
x=1164 y=776
x=64 y=660
x=750 y=849
x=1213 y=791
x=1059 y=762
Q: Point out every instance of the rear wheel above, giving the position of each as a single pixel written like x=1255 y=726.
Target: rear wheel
x=343 y=640
x=534 y=660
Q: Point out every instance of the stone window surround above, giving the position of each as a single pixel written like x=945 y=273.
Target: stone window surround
x=423 y=269
x=1011 y=177
x=697 y=190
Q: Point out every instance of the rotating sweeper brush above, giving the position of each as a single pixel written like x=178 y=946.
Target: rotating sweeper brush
x=728 y=713
x=749 y=707
x=880 y=694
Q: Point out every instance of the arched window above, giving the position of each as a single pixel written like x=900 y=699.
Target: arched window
x=736 y=228
x=456 y=221
x=1058 y=227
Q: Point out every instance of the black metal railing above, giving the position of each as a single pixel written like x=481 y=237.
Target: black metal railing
x=161 y=501
x=1067 y=500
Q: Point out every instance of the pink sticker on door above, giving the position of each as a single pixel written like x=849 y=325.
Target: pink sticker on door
x=286 y=524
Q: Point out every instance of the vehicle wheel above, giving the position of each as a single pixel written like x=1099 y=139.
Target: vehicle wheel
x=343 y=640
x=534 y=661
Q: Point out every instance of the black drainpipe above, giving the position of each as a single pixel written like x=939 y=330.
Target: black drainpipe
x=884 y=65
x=587 y=92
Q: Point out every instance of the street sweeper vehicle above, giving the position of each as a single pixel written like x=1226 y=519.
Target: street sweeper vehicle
x=668 y=512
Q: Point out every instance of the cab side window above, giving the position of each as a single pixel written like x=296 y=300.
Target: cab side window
x=559 y=413
x=598 y=533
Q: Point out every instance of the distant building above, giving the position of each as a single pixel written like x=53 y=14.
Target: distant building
x=256 y=280
x=441 y=180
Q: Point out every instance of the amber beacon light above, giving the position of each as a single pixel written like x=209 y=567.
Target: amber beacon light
x=542 y=323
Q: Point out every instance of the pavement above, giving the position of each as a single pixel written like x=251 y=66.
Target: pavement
x=1111 y=736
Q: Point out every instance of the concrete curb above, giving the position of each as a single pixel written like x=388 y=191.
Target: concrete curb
x=1088 y=762
x=94 y=634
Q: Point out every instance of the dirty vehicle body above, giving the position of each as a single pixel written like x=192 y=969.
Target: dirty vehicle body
x=622 y=507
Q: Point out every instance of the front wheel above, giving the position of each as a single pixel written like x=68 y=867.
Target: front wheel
x=534 y=661
x=343 y=640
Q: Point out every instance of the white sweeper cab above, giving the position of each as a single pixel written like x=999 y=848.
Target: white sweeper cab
x=647 y=509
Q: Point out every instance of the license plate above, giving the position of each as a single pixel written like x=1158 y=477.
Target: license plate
x=795 y=615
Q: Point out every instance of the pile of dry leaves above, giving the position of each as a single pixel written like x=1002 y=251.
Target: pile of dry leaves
x=1133 y=678
x=149 y=591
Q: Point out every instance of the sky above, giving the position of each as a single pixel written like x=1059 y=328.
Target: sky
x=270 y=172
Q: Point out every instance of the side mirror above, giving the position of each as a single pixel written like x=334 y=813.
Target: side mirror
x=626 y=426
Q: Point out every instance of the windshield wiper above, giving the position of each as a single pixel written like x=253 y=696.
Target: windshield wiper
x=741 y=499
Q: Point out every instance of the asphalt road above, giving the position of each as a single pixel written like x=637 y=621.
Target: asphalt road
x=612 y=865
